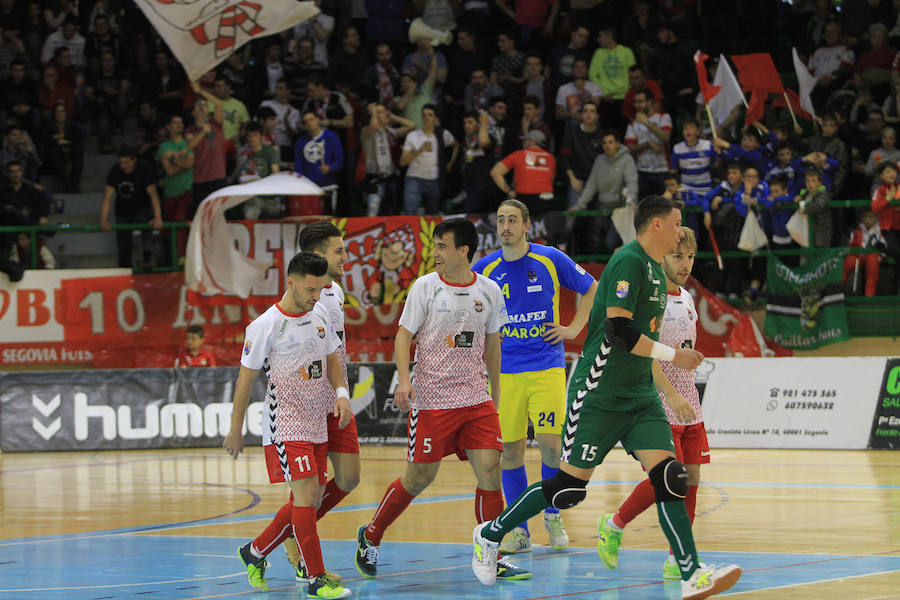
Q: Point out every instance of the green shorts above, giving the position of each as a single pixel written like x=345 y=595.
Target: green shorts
x=592 y=429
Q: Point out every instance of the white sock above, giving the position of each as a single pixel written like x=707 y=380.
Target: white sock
x=256 y=552
x=612 y=524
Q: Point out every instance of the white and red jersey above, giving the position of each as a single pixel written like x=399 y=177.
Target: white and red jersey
x=650 y=161
x=203 y=358
x=291 y=349
x=679 y=330
x=450 y=322
x=331 y=306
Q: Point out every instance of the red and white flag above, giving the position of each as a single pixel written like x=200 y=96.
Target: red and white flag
x=729 y=94
x=806 y=82
x=213 y=266
x=202 y=33
x=707 y=89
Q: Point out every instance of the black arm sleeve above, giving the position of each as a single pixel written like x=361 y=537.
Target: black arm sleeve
x=620 y=333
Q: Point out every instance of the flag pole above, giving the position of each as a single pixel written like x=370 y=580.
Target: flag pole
x=712 y=122
x=791 y=110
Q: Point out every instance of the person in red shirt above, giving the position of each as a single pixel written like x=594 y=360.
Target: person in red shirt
x=194 y=354
x=886 y=204
x=533 y=171
x=637 y=82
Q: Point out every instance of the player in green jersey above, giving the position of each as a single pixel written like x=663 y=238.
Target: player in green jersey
x=612 y=398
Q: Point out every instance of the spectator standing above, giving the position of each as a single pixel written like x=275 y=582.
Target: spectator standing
x=52 y=91
x=637 y=81
x=132 y=184
x=106 y=95
x=151 y=129
x=886 y=205
x=671 y=64
x=319 y=29
x=207 y=140
x=831 y=63
x=888 y=151
x=177 y=161
x=465 y=59
x=866 y=235
x=64 y=149
x=501 y=129
x=429 y=153
x=535 y=83
x=380 y=82
x=813 y=200
x=534 y=19
x=416 y=96
x=476 y=164
x=165 y=85
x=562 y=59
x=726 y=224
x=20 y=202
x=693 y=158
x=531 y=121
x=418 y=64
x=256 y=160
x=287 y=124
x=318 y=154
x=350 y=61
x=613 y=182
x=331 y=107
x=829 y=143
x=609 y=70
x=236 y=115
x=647 y=139
x=66 y=36
x=103 y=39
x=20 y=98
x=238 y=72
x=506 y=67
x=572 y=96
x=533 y=169
x=480 y=90
x=18 y=146
x=380 y=141
x=582 y=144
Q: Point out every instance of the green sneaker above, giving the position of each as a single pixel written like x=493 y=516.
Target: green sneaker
x=608 y=540
x=671 y=572
x=559 y=539
x=324 y=586
x=510 y=572
x=256 y=568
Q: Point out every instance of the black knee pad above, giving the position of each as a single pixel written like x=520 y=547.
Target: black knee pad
x=670 y=480
x=563 y=490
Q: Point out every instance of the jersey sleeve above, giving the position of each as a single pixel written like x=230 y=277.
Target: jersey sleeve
x=572 y=276
x=623 y=286
x=332 y=341
x=257 y=343
x=414 y=309
x=498 y=317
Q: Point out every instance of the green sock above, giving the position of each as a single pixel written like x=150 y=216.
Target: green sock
x=676 y=524
x=530 y=503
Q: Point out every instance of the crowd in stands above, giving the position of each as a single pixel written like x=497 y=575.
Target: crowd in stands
x=564 y=104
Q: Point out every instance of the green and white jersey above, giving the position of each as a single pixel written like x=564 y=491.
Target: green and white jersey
x=634 y=281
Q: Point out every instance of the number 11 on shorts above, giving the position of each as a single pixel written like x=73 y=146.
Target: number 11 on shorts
x=302 y=463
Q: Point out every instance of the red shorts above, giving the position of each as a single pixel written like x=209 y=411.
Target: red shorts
x=691 y=445
x=301 y=460
x=434 y=434
x=344 y=440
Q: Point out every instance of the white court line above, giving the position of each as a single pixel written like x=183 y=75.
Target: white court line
x=792 y=585
x=212 y=555
x=120 y=585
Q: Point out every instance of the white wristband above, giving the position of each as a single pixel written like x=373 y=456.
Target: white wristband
x=343 y=393
x=662 y=352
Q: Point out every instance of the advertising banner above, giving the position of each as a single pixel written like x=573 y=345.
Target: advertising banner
x=886 y=424
x=162 y=408
x=792 y=402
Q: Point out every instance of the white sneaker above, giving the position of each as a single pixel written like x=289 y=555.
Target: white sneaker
x=516 y=541
x=707 y=581
x=484 y=559
x=553 y=523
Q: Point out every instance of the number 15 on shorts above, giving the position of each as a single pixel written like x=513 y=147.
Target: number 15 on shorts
x=588 y=453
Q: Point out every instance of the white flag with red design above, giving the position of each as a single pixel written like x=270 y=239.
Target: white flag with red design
x=202 y=33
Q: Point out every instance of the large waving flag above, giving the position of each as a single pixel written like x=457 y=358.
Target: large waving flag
x=729 y=94
x=707 y=89
x=202 y=33
x=806 y=82
x=758 y=75
x=212 y=264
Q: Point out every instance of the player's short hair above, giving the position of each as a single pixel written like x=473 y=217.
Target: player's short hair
x=886 y=165
x=526 y=216
x=654 y=206
x=315 y=235
x=815 y=172
x=782 y=145
x=532 y=100
x=471 y=114
x=464 y=233
x=693 y=122
x=749 y=168
x=432 y=107
x=734 y=166
x=196 y=330
x=591 y=102
x=253 y=126
x=307 y=263
x=309 y=111
x=689 y=241
x=495 y=99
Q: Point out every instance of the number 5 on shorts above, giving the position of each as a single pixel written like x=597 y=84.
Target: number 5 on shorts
x=588 y=453
x=426 y=445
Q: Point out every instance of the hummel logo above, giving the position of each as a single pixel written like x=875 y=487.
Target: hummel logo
x=46 y=409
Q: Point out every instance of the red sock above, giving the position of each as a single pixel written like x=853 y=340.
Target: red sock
x=641 y=498
x=690 y=502
x=277 y=531
x=332 y=496
x=303 y=519
x=395 y=501
x=488 y=505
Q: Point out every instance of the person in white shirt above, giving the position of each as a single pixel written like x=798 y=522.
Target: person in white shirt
x=570 y=97
x=318 y=28
x=647 y=139
x=66 y=36
x=287 y=125
x=297 y=349
x=379 y=139
x=429 y=159
x=456 y=316
x=831 y=63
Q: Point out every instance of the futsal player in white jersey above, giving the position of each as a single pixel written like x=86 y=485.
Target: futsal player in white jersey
x=324 y=239
x=456 y=316
x=297 y=349
x=681 y=400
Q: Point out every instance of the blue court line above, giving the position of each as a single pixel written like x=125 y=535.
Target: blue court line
x=228 y=518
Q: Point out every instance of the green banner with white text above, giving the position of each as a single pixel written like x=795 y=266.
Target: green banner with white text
x=806 y=304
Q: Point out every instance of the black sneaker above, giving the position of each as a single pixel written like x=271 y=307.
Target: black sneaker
x=366 y=554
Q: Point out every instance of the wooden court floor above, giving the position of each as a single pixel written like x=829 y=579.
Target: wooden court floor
x=803 y=525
